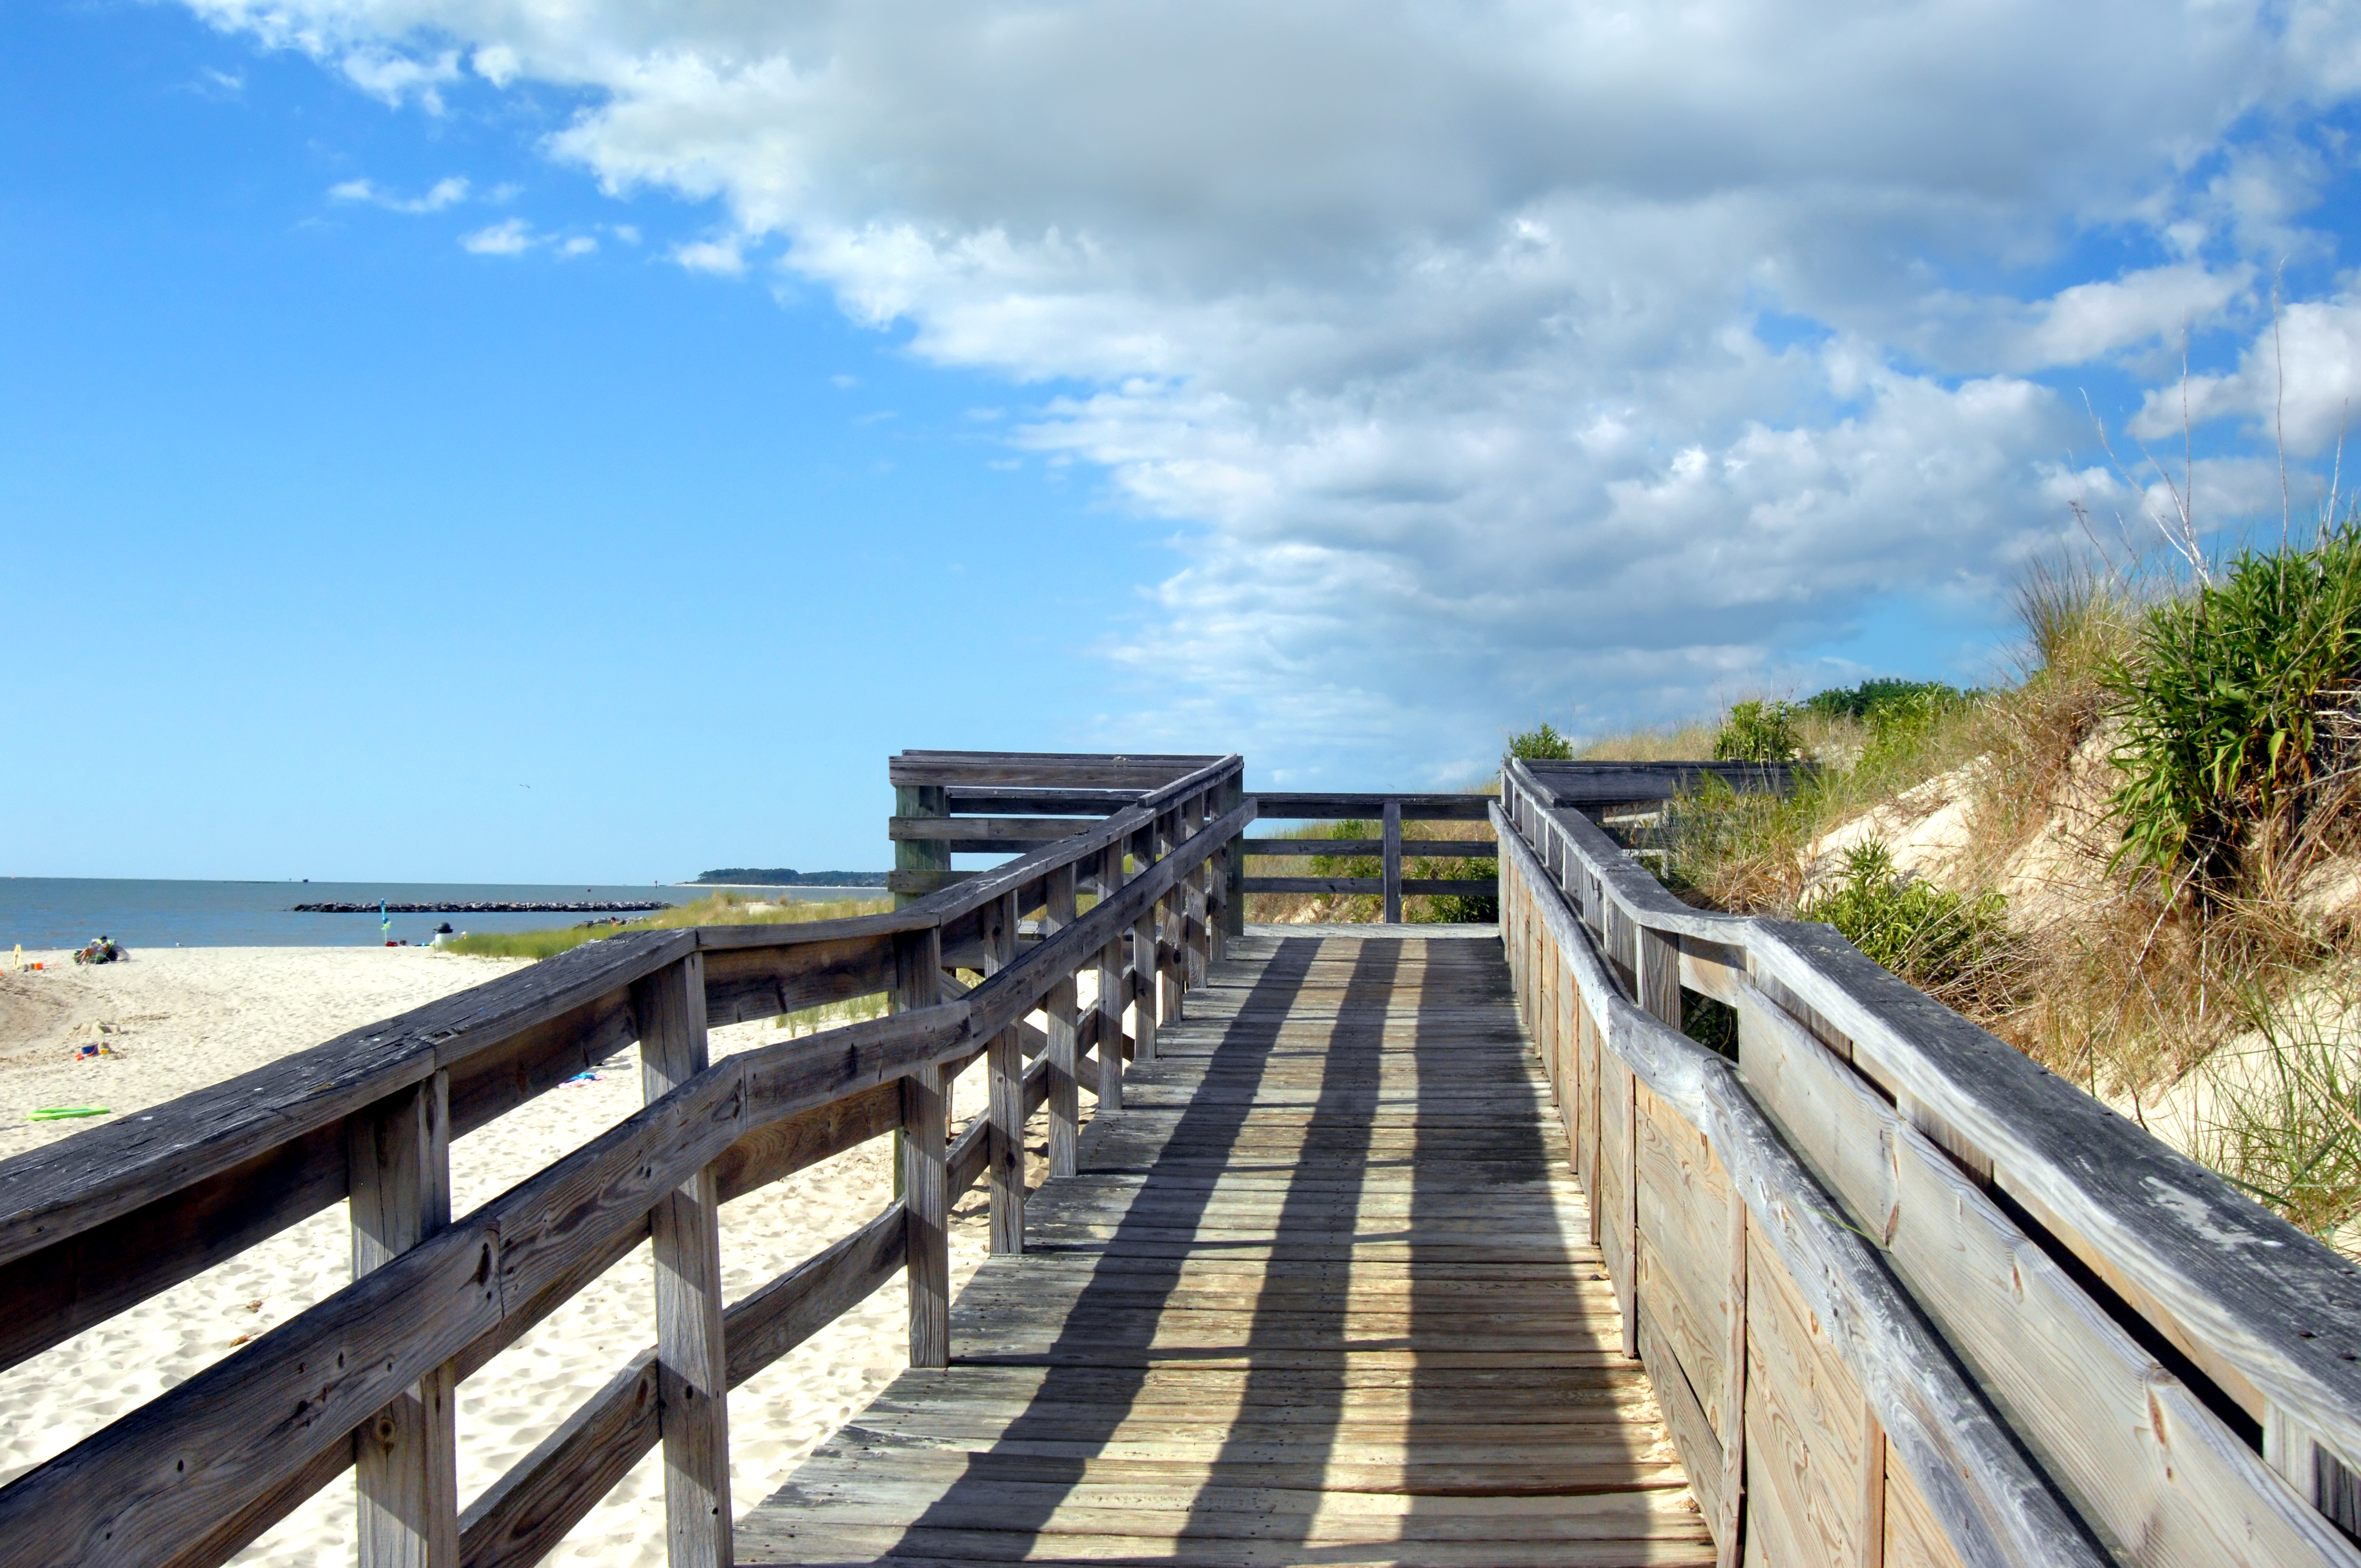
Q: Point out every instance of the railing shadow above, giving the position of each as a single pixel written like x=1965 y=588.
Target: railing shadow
x=1515 y=1358
x=1094 y=1373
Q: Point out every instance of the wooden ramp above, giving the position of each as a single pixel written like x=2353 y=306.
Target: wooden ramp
x=1322 y=1293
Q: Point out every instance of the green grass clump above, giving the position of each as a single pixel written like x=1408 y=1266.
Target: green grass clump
x=1542 y=745
x=1934 y=938
x=2223 y=706
x=1865 y=702
x=726 y=908
x=1760 y=731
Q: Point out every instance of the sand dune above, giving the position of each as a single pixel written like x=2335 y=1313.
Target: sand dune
x=185 y=1017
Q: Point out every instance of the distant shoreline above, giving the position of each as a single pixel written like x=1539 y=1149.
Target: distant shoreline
x=784 y=876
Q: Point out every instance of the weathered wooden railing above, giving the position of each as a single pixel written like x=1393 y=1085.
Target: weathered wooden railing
x=1904 y=1296
x=94 y=1225
x=1390 y=811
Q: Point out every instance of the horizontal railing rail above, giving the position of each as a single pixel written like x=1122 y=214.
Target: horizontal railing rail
x=1391 y=811
x=2176 y=1364
x=1604 y=786
x=97 y=1222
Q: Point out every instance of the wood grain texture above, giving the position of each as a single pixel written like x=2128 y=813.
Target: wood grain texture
x=405 y=1456
x=924 y=1197
x=683 y=1228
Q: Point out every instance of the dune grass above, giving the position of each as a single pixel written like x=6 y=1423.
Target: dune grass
x=728 y=908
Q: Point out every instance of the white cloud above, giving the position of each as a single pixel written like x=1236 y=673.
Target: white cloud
x=578 y=244
x=2088 y=321
x=441 y=194
x=1492 y=358
x=394 y=77
x=2308 y=382
x=717 y=256
x=511 y=236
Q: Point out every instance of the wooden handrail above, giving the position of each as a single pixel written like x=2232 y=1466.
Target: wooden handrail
x=2099 y=1283
x=1998 y=1511
x=192 y=1475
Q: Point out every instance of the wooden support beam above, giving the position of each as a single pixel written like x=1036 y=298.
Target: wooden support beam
x=924 y=866
x=1233 y=866
x=398 y=1160
x=1145 y=987
x=692 y=1376
x=925 y=1146
x=1659 y=990
x=925 y=1177
x=1005 y=1070
x=1065 y=1102
x=1394 y=858
x=1195 y=905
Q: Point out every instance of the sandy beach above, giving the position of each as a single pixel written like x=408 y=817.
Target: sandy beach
x=177 y=1019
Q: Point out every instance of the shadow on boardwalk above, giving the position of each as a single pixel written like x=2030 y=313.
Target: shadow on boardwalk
x=1322 y=1293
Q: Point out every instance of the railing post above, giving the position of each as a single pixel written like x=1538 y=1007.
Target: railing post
x=1658 y=957
x=692 y=1374
x=918 y=963
x=1234 y=864
x=915 y=855
x=1170 y=960
x=1144 y=985
x=1394 y=862
x=405 y=1458
x=1005 y=1063
x=1065 y=1125
x=1196 y=911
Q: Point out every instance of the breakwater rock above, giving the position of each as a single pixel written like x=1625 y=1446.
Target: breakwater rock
x=484 y=906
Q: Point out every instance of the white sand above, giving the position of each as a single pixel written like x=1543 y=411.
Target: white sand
x=186 y=1017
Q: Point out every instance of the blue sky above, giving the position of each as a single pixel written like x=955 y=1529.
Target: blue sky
x=441 y=439
x=334 y=549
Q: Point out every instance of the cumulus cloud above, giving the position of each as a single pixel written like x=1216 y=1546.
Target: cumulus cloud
x=2302 y=378
x=724 y=256
x=441 y=194
x=1490 y=358
x=511 y=236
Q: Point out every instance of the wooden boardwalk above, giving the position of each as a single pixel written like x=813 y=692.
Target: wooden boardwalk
x=1322 y=1293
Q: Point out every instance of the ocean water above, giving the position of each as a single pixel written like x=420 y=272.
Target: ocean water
x=66 y=912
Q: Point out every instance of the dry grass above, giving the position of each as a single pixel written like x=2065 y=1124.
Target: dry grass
x=1674 y=743
x=2112 y=977
x=728 y=908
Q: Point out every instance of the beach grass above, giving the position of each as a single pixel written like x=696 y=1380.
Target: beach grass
x=728 y=908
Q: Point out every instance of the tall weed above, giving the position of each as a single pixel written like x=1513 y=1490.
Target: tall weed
x=2281 y=1112
x=2235 y=719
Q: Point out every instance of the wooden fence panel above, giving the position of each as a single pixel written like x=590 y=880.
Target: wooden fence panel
x=1809 y=1470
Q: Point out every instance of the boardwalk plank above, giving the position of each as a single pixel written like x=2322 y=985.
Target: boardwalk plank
x=1320 y=1291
